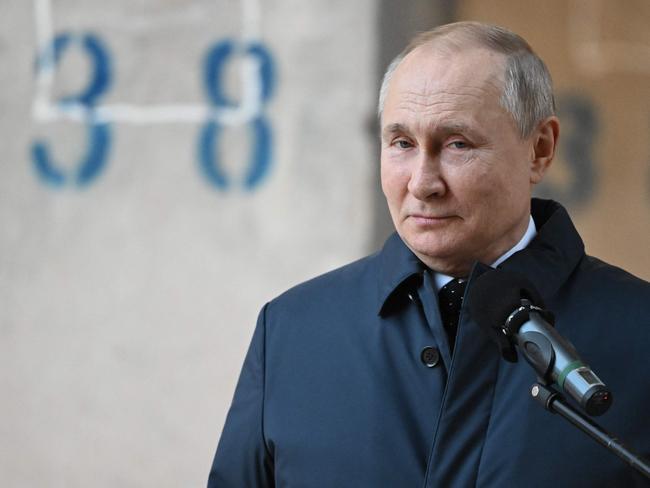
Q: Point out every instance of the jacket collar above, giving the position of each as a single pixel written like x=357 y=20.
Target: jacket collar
x=547 y=261
x=553 y=254
x=399 y=269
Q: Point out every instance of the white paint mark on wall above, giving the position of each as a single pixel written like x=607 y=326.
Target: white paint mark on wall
x=44 y=110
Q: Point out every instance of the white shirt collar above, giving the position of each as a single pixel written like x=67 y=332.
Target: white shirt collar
x=529 y=235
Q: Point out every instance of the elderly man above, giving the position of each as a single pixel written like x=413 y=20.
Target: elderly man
x=375 y=374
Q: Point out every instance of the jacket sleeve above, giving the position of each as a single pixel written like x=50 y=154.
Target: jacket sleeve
x=242 y=459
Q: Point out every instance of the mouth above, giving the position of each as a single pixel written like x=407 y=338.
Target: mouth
x=429 y=220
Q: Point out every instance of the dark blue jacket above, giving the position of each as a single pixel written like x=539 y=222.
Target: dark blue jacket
x=334 y=393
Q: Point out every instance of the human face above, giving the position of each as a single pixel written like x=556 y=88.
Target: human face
x=455 y=172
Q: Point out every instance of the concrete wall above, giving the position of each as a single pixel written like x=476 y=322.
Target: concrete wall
x=140 y=233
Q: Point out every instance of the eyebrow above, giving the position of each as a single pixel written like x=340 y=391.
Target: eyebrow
x=455 y=127
x=444 y=128
x=393 y=129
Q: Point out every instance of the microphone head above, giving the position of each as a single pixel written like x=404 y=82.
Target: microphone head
x=493 y=297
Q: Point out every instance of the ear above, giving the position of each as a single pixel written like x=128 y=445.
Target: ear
x=544 y=143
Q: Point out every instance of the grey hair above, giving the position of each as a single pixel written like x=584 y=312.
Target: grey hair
x=527 y=86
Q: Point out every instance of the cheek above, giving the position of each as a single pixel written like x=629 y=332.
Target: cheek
x=493 y=196
x=393 y=182
x=478 y=192
x=471 y=183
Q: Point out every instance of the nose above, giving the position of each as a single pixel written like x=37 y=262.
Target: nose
x=426 y=179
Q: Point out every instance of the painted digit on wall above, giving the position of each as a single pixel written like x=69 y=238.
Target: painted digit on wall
x=99 y=133
x=256 y=93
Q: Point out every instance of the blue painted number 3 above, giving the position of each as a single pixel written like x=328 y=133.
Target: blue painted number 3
x=99 y=135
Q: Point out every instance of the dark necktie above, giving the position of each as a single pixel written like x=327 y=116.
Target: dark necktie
x=450 y=299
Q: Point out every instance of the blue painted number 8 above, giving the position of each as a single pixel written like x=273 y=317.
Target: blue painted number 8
x=260 y=158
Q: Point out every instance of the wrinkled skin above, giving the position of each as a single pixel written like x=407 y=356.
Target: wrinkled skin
x=456 y=174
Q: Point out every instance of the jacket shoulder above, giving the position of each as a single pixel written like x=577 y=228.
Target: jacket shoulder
x=352 y=279
x=338 y=294
x=606 y=293
x=598 y=275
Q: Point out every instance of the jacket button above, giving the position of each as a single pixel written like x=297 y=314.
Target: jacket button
x=430 y=356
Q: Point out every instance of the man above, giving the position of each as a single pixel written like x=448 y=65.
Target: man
x=363 y=378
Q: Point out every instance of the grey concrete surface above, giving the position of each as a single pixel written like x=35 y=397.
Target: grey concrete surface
x=126 y=305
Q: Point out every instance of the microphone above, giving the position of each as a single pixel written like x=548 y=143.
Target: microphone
x=509 y=308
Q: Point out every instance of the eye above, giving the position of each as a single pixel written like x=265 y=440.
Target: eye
x=458 y=145
x=402 y=144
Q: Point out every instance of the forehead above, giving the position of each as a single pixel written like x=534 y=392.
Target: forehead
x=434 y=83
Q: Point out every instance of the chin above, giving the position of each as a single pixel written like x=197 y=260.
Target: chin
x=429 y=243
x=439 y=256
x=428 y=251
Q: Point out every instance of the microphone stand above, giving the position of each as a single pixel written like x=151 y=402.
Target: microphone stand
x=539 y=353
x=554 y=402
